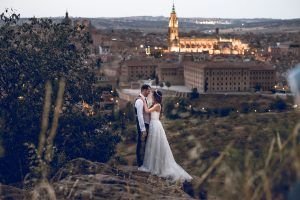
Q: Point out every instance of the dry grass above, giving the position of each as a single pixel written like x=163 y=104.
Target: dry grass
x=43 y=189
x=233 y=157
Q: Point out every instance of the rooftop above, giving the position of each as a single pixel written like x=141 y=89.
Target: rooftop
x=247 y=65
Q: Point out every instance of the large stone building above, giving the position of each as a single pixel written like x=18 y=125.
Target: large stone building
x=212 y=45
x=137 y=69
x=283 y=49
x=214 y=75
x=140 y=69
x=229 y=76
x=170 y=72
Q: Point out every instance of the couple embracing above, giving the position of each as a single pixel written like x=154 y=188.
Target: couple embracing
x=153 y=152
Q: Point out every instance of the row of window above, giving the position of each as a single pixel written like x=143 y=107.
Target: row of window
x=261 y=72
x=196 y=46
x=261 y=78
x=228 y=73
x=169 y=74
x=141 y=72
x=262 y=83
x=230 y=78
x=228 y=89
x=142 y=67
x=239 y=83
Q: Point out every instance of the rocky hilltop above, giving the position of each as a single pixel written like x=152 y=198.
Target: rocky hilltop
x=83 y=179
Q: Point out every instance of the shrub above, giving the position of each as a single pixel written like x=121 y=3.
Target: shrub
x=194 y=94
x=83 y=136
x=32 y=54
x=279 y=105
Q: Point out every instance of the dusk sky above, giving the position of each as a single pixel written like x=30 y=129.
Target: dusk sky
x=284 y=9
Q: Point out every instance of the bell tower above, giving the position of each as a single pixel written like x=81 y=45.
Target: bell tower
x=173 y=32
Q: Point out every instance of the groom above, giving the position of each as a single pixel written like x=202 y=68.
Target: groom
x=142 y=123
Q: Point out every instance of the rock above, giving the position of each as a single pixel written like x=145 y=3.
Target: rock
x=12 y=193
x=185 y=115
x=86 y=180
x=82 y=179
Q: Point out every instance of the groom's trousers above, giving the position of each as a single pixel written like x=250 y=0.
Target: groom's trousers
x=141 y=145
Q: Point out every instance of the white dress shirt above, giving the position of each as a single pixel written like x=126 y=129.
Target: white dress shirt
x=139 y=104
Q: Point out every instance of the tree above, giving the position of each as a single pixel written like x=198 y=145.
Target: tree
x=153 y=75
x=156 y=81
x=245 y=107
x=279 y=104
x=115 y=93
x=206 y=85
x=161 y=85
x=194 y=94
x=168 y=109
x=93 y=142
x=168 y=84
x=30 y=55
x=257 y=87
x=98 y=62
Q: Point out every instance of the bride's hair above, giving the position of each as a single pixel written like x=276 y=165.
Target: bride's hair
x=157 y=96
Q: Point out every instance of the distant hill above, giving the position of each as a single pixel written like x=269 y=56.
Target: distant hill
x=160 y=23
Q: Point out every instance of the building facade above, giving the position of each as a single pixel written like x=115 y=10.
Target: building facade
x=212 y=45
x=229 y=76
x=170 y=72
x=285 y=49
x=262 y=78
x=135 y=69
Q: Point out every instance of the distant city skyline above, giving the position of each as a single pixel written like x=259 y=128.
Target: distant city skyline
x=277 y=9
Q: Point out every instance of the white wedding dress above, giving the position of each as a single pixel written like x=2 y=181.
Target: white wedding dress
x=158 y=158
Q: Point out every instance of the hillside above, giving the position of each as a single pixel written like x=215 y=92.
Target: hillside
x=199 y=144
x=83 y=179
x=227 y=157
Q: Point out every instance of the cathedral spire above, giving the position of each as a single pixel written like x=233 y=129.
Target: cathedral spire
x=173 y=31
x=173 y=8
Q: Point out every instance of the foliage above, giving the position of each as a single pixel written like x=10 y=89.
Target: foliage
x=168 y=109
x=115 y=93
x=279 y=104
x=33 y=53
x=161 y=85
x=257 y=87
x=129 y=112
x=83 y=136
x=194 y=94
x=245 y=107
x=168 y=84
x=9 y=17
x=156 y=80
x=222 y=112
x=40 y=50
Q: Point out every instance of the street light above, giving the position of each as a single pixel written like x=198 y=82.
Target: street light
x=21 y=98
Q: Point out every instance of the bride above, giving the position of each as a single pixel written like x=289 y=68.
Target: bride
x=158 y=159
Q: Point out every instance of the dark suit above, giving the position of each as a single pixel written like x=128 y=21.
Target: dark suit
x=141 y=145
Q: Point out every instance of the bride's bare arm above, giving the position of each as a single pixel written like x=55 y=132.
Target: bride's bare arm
x=156 y=107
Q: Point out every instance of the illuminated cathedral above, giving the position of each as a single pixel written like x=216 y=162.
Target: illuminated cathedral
x=213 y=45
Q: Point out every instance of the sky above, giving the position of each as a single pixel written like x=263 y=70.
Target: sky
x=277 y=9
